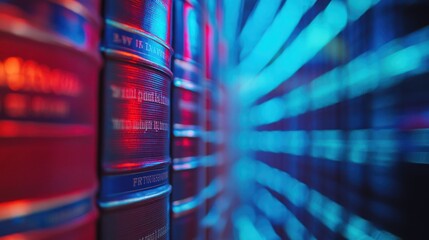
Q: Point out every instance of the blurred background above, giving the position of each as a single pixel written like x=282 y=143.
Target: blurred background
x=329 y=114
x=278 y=119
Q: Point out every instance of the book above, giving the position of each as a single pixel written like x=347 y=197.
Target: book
x=213 y=159
x=49 y=64
x=188 y=174
x=135 y=120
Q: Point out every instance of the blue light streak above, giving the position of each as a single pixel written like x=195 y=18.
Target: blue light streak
x=308 y=43
x=256 y=25
x=329 y=144
x=266 y=227
x=242 y=222
x=208 y=192
x=232 y=17
x=274 y=37
x=344 y=135
x=324 y=209
x=293 y=227
x=214 y=219
x=368 y=72
x=357 y=8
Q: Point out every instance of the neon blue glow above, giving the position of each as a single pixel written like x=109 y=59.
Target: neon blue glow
x=359 y=146
x=329 y=144
x=186 y=132
x=246 y=229
x=208 y=192
x=180 y=164
x=291 y=142
x=214 y=218
x=295 y=229
x=266 y=227
x=178 y=82
x=327 y=25
x=213 y=188
x=270 y=106
x=289 y=105
x=327 y=211
x=212 y=160
x=232 y=16
x=256 y=25
x=330 y=119
x=357 y=8
x=420 y=139
x=266 y=203
x=368 y=72
x=325 y=92
x=274 y=37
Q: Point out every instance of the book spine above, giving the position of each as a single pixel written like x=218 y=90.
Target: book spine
x=49 y=64
x=213 y=139
x=144 y=216
x=187 y=105
x=213 y=160
x=135 y=120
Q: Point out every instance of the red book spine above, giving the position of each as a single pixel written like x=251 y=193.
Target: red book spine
x=49 y=66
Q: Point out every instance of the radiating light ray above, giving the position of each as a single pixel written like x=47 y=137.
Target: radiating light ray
x=329 y=144
x=258 y=22
x=208 y=192
x=265 y=202
x=232 y=10
x=383 y=124
x=214 y=216
x=314 y=202
x=260 y=53
x=357 y=8
x=419 y=141
x=267 y=228
x=292 y=104
x=307 y=44
x=242 y=218
x=383 y=68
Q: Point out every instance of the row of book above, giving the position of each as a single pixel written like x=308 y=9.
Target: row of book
x=188 y=173
x=49 y=64
x=195 y=149
x=87 y=101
